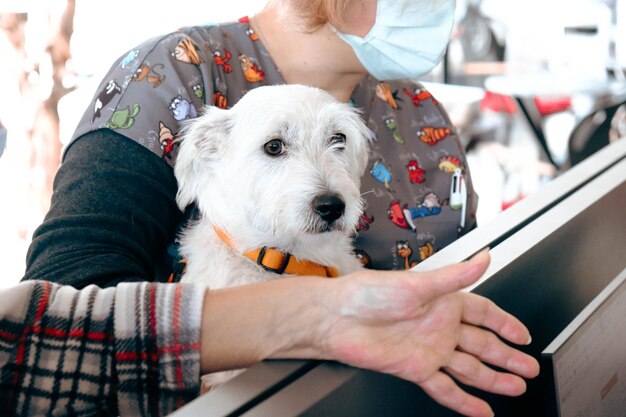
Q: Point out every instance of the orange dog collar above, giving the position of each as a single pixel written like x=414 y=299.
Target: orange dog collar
x=279 y=262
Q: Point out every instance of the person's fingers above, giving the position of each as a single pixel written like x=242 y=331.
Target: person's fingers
x=470 y=371
x=442 y=388
x=480 y=311
x=487 y=347
x=451 y=278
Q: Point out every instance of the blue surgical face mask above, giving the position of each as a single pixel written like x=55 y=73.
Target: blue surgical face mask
x=407 y=40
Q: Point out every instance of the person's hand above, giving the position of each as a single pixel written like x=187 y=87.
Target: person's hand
x=420 y=327
x=415 y=325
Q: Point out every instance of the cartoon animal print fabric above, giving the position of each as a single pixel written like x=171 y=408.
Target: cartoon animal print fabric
x=416 y=154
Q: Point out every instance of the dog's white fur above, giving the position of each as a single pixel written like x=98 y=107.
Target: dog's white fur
x=261 y=200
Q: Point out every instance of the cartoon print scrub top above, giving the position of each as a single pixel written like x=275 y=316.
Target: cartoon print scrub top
x=417 y=189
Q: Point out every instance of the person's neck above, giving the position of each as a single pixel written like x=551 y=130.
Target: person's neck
x=319 y=59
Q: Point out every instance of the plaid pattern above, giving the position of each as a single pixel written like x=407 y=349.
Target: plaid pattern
x=132 y=350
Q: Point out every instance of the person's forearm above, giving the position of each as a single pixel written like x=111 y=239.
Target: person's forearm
x=111 y=217
x=132 y=350
x=278 y=319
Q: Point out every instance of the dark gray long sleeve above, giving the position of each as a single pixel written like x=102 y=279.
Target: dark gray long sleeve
x=112 y=215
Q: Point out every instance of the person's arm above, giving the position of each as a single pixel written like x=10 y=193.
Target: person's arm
x=416 y=326
x=112 y=214
x=132 y=350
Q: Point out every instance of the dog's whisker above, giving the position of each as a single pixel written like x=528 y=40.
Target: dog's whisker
x=367 y=192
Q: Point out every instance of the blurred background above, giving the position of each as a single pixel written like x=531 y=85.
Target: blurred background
x=533 y=87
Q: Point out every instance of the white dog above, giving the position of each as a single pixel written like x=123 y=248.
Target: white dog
x=276 y=180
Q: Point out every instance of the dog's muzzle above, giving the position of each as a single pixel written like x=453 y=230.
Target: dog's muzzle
x=329 y=207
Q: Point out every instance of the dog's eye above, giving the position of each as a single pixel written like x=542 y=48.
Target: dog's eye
x=274 y=147
x=338 y=139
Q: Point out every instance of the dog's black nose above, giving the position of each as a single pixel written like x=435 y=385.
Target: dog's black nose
x=330 y=207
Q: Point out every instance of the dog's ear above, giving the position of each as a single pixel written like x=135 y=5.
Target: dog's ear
x=200 y=148
x=365 y=137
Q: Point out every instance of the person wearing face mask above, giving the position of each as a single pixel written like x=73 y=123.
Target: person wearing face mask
x=365 y=52
x=113 y=218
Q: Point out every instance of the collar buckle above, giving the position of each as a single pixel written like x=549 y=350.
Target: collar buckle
x=281 y=269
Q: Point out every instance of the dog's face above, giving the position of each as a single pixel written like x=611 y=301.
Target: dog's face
x=285 y=162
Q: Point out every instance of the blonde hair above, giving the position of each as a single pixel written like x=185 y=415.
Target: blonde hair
x=316 y=13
